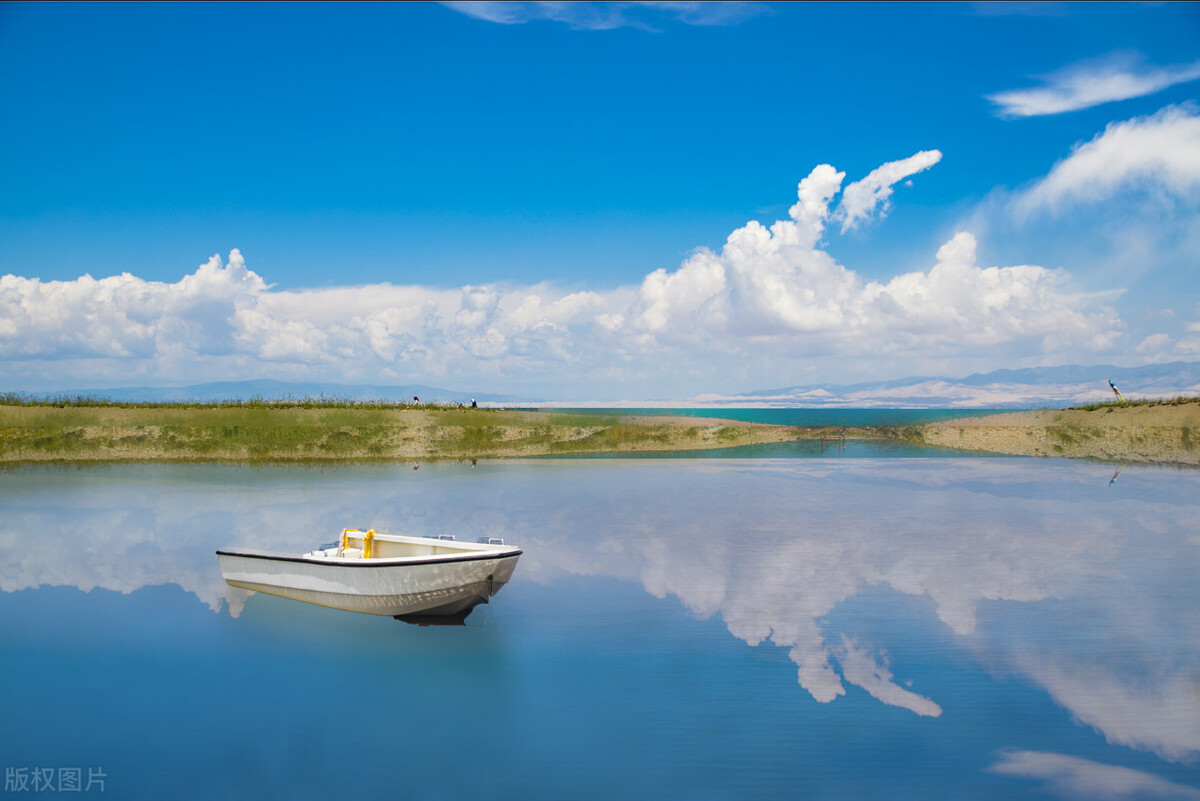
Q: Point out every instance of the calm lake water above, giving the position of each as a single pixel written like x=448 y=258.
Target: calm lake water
x=880 y=627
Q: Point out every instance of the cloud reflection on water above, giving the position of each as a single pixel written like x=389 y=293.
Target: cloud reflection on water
x=1038 y=567
x=1073 y=777
x=774 y=548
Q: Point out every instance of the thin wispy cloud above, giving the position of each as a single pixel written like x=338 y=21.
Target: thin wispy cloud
x=1092 y=83
x=1018 y=8
x=1159 y=154
x=607 y=16
x=1074 y=777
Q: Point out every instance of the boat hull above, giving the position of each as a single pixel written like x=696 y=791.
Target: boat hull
x=391 y=587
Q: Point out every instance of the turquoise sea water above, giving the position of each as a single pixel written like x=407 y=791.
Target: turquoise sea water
x=806 y=448
x=897 y=627
x=810 y=417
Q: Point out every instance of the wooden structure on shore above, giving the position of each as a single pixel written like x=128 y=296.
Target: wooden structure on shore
x=839 y=438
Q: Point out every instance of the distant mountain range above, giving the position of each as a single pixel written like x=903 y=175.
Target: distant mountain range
x=1034 y=386
x=281 y=390
x=1029 y=387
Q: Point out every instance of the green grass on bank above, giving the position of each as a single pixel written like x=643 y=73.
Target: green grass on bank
x=1178 y=400
x=312 y=430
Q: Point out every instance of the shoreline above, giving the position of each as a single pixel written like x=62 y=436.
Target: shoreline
x=1166 y=433
x=87 y=434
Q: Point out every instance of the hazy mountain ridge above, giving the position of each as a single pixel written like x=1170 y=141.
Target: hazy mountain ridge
x=268 y=389
x=1031 y=386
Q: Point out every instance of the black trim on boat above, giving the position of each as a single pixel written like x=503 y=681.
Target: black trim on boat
x=375 y=562
x=426 y=619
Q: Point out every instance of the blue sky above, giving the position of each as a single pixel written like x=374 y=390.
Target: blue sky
x=482 y=196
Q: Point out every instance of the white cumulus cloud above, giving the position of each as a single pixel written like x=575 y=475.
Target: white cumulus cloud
x=124 y=316
x=777 y=283
x=772 y=294
x=862 y=198
x=1092 y=83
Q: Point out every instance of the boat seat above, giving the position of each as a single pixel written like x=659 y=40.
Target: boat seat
x=323 y=552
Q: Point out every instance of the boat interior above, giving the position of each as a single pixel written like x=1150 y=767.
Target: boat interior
x=369 y=544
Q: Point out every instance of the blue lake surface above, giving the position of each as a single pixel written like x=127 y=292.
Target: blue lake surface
x=879 y=627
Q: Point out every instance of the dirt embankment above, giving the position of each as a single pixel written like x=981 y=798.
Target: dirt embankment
x=79 y=434
x=1166 y=433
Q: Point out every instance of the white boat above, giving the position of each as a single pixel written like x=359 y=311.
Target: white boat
x=380 y=574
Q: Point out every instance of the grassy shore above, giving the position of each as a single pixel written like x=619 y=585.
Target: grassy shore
x=315 y=431
x=86 y=430
x=1166 y=431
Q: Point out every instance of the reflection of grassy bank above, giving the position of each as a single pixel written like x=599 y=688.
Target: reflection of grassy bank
x=292 y=432
x=1141 y=431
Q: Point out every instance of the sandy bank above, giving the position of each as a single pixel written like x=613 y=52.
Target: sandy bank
x=1168 y=434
